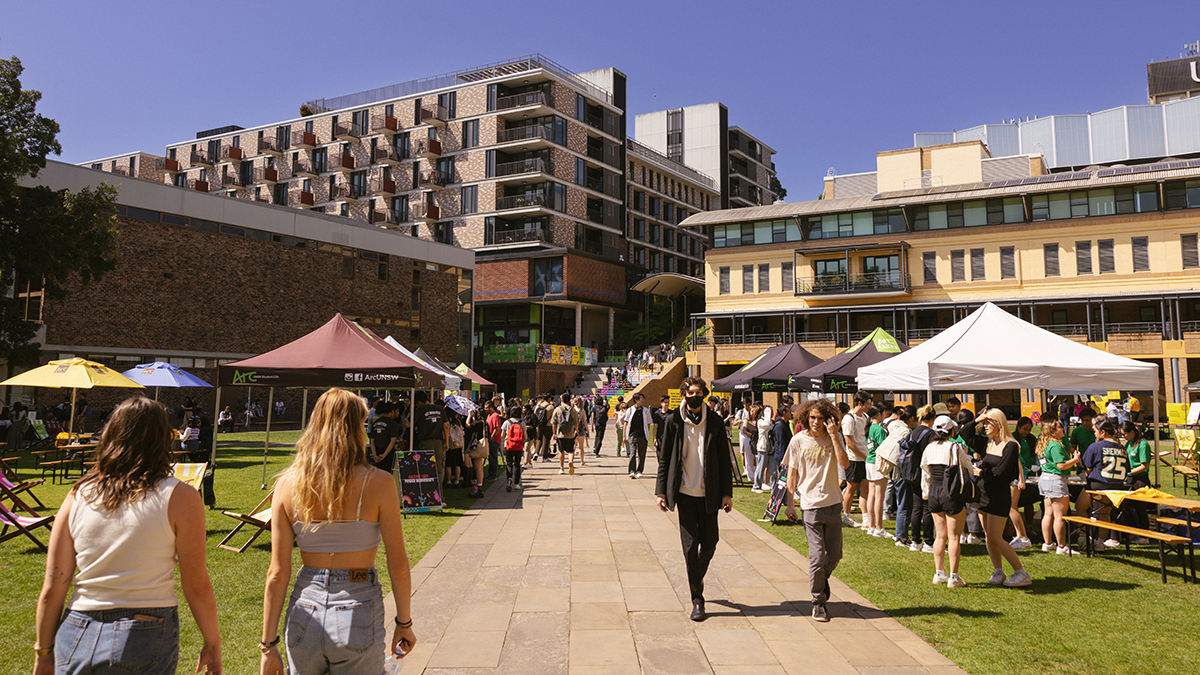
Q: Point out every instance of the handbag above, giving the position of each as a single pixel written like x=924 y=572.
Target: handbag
x=456 y=436
x=958 y=481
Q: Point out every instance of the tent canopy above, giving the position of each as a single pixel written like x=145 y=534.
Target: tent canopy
x=464 y=381
x=769 y=371
x=840 y=373
x=992 y=349
x=450 y=380
x=338 y=354
x=480 y=382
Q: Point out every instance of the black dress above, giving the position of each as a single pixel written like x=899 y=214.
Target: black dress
x=996 y=474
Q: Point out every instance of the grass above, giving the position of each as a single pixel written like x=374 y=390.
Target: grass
x=1106 y=614
x=237 y=578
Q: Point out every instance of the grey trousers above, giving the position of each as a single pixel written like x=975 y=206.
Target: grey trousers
x=823 y=528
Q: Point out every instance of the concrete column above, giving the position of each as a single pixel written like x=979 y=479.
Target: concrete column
x=579 y=324
x=612 y=314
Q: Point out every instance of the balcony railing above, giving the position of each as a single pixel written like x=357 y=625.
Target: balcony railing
x=306 y=199
x=1134 y=328
x=348 y=131
x=385 y=218
x=167 y=164
x=201 y=158
x=232 y=181
x=383 y=187
x=923 y=333
x=520 y=201
x=594 y=183
x=304 y=139
x=520 y=100
x=231 y=154
x=522 y=133
x=304 y=169
x=198 y=185
x=425 y=213
x=342 y=193
x=119 y=170
x=434 y=179
x=343 y=163
x=872 y=282
x=520 y=236
x=434 y=114
x=267 y=146
x=535 y=165
x=1189 y=326
x=266 y=175
x=389 y=154
x=384 y=124
x=428 y=148
x=600 y=249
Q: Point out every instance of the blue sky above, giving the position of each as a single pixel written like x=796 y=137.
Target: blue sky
x=826 y=84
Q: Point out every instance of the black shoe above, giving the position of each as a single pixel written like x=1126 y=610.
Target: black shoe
x=476 y=493
x=698 y=612
x=819 y=613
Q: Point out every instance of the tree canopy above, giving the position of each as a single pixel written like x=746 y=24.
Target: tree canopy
x=49 y=239
x=778 y=189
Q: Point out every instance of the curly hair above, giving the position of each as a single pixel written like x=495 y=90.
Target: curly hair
x=822 y=405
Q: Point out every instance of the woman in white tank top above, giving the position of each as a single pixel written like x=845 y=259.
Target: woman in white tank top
x=117 y=537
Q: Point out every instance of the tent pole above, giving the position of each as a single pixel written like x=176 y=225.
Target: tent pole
x=267 y=440
x=212 y=457
x=71 y=423
x=156 y=394
x=304 y=410
x=1154 y=426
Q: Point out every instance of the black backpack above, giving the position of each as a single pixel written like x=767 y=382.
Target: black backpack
x=539 y=416
x=910 y=458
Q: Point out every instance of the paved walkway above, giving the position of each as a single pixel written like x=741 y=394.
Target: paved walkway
x=583 y=575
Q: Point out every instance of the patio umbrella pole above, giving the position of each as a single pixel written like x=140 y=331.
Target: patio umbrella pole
x=71 y=423
x=1157 y=434
x=267 y=440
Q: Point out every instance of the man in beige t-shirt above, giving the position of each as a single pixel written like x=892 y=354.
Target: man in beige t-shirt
x=813 y=479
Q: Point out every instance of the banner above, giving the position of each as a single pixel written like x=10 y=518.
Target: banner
x=1177 y=413
x=1032 y=410
x=541 y=353
x=418 y=482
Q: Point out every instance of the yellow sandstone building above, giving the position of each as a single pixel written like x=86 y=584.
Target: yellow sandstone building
x=1106 y=255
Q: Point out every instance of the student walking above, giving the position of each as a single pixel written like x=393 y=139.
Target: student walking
x=762 y=424
x=695 y=475
x=812 y=456
x=599 y=420
x=638 y=431
x=854 y=431
x=1001 y=465
x=565 y=423
x=514 y=433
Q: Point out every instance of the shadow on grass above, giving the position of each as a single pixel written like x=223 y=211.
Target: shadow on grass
x=1059 y=584
x=957 y=611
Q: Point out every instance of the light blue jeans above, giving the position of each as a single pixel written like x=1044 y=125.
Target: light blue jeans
x=136 y=640
x=762 y=471
x=335 y=623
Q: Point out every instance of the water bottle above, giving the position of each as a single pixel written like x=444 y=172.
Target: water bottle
x=394 y=663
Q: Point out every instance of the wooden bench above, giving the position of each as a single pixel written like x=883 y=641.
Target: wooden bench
x=1187 y=472
x=1161 y=537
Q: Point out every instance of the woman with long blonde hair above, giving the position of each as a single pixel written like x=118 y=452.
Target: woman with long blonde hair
x=1001 y=466
x=337 y=508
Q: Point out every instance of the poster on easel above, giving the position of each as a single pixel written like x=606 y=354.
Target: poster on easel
x=418 y=482
x=775 y=502
x=1193 y=415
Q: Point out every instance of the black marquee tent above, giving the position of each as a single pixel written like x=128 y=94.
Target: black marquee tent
x=839 y=375
x=769 y=371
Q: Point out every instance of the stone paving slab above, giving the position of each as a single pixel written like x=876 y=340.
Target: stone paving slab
x=583 y=575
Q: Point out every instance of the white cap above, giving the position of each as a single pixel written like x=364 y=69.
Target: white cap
x=946 y=425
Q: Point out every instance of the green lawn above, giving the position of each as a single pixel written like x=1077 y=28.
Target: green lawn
x=237 y=578
x=1107 y=614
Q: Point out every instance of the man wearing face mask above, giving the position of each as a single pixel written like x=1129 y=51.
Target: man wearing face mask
x=695 y=474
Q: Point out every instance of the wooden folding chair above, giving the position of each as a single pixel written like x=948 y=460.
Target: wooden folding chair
x=259 y=518
x=9 y=479
x=13 y=525
x=192 y=474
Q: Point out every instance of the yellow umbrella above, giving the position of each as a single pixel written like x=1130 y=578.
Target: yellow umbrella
x=71 y=374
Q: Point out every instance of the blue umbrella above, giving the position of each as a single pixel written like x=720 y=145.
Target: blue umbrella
x=159 y=374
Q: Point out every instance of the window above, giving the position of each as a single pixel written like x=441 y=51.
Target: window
x=449 y=101
x=882 y=268
x=1058 y=317
x=1141 y=254
x=347 y=263
x=1108 y=263
x=1191 y=252
x=929 y=264
x=1083 y=257
x=29 y=300
x=764 y=278
x=400 y=210
x=1050 y=258
x=381 y=270
x=639 y=201
x=281 y=194
x=1008 y=262
x=470 y=199
x=788 y=272
x=639 y=229
x=977 y=265
x=547 y=276
x=957 y=272
x=747 y=278
x=470 y=134
x=1147 y=313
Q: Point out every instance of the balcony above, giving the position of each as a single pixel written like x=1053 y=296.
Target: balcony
x=530 y=137
x=383 y=187
x=343 y=163
x=520 y=167
x=231 y=181
x=119 y=170
x=348 y=131
x=262 y=199
x=197 y=185
x=384 y=218
x=230 y=155
x=525 y=201
x=306 y=199
x=873 y=284
x=343 y=193
x=435 y=115
x=266 y=176
x=267 y=146
x=428 y=148
x=531 y=98
x=425 y=213
x=384 y=124
x=303 y=169
x=521 y=236
x=433 y=179
x=389 y=154
x=304 y=139
x=200 y=158
x=168 y=165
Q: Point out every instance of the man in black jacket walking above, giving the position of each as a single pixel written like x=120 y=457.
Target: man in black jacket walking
x=695 y=474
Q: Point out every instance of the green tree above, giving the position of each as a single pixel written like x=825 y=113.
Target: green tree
x=48 y=238
x=777 y=188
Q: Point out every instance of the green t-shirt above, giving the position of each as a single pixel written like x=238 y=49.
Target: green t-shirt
x=1055 y=453
x=875 y=437
x=1139 y=454
x=1028 y=452
x=1081 y=438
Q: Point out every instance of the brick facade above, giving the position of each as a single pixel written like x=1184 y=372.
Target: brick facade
x=502 y=280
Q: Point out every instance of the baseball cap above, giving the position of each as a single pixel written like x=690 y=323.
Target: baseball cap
x=946 y=425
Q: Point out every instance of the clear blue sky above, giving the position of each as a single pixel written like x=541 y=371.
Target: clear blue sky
x=826 y=84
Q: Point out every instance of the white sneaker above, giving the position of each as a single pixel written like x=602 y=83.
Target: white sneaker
x=1063 y=550
x=878 y=533
x=631 y=475
x=972 y=539
x=1020 y=543
x=998 y=578
x=1046 y=548
x=962 y=538
x=915 y=547
x=926 y=549
x=848 y=521
x=639 y=475
x=941 y=577
x=756 y=490
x=1019 y=579
x=1112 y=543
x=955 y=581
x=885 y=534
x=561 y=471
x=900 y=542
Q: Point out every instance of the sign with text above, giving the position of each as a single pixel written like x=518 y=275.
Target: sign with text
x=1032 y=410
x=1177 y=413
x=418 y=482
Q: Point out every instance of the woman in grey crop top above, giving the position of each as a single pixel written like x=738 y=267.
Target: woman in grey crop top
x=337 y=508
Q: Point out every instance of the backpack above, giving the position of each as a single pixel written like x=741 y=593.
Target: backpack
x=958 y=481
x=515 y=442
x=910 y=462
x=570 y=420
x=539 y=416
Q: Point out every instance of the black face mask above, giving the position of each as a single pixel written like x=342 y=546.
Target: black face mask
x=694 y=401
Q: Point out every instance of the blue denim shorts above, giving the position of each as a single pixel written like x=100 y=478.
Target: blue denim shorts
x=335 y=623
x=141 y=640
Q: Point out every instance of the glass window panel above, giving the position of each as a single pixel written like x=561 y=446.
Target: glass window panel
x=1193 y=194
x=1039 y=207
x=937 y=217
x=762 y=232
x=1060 y=206
x=1014 y=210
x=864 y=224
x=719 y=236
x=792 y=227
x=975 y=213
x=845 y=224
x=1146 y=197
x=1102 y=202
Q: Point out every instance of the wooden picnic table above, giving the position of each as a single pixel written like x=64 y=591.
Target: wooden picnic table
x=1189 y=506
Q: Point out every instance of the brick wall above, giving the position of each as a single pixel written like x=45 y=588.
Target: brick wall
x=590 y=279
x=502 y=280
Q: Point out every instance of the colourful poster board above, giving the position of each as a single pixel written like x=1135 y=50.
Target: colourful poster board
x=1177 y=413
x=541 y=353
x=1032 y=410
x=418 y=482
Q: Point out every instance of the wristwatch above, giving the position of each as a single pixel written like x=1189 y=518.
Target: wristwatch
x=265 y=647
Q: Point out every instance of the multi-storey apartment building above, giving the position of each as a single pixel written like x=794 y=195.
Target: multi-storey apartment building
x=700 y=136
x=1103 y=255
